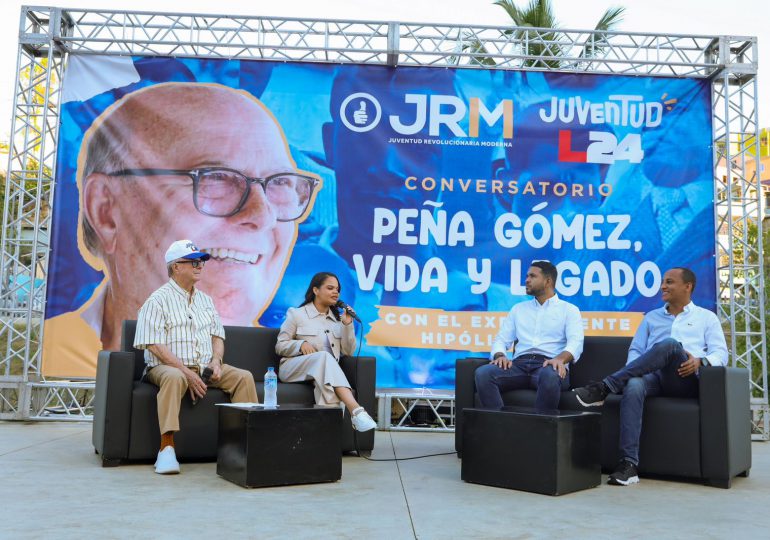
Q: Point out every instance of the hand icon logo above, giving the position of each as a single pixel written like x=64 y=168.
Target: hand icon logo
x=367 y=113
x=360 y=117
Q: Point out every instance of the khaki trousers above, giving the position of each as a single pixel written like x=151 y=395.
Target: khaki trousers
x=320 y=367
x=236 y=382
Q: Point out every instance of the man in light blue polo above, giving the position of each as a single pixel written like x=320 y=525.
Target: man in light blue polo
x=548 y=333
x=669 y=348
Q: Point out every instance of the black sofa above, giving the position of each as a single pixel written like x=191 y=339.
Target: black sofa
x=707 y=438
x=125 y=425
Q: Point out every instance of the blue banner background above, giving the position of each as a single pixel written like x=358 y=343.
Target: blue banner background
x=363 y=171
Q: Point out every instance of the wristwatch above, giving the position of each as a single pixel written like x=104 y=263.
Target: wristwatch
x=704 y=362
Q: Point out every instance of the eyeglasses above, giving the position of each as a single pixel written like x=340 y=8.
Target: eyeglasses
x=221 y=192
x=195 y=263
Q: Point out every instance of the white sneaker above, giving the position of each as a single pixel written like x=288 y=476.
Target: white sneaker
x=362 y=421
x=166 y=462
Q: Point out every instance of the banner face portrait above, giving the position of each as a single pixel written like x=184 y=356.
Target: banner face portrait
x=433 y=191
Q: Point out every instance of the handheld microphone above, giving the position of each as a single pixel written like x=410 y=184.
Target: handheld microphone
x=206 y=375
x=343 y=305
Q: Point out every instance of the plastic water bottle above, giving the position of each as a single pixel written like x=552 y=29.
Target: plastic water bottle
x=271 y=389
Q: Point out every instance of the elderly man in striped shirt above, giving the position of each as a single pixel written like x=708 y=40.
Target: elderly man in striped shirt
x=181 y=334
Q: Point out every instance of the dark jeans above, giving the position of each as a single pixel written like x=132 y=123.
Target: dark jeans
x=527 y=371
x=654 y=373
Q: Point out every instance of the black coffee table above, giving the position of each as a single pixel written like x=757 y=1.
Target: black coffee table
x=260 y=447
x=518 y=448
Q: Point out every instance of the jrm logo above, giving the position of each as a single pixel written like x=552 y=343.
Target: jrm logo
x=362 y=112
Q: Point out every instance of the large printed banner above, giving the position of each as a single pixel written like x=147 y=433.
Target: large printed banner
x=427 y=191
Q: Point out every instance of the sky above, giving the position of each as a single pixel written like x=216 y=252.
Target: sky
x=709 y=17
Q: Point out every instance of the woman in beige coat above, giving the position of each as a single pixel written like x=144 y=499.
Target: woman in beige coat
x=311 y=341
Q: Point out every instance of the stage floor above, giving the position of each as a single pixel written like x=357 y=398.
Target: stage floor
x=54 y=487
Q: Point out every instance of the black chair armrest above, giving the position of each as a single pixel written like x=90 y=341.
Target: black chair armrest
x=725 y=417
x=465 y=391
x=361 y=373
x=112 y=404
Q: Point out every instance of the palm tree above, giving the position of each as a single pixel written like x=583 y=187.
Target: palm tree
x=544 y=47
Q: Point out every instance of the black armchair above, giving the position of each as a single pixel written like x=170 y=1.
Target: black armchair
x=707 y=438
x=125 y=425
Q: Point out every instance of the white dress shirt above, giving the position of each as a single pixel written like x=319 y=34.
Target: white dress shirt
x=548 y=329
x=696 y=328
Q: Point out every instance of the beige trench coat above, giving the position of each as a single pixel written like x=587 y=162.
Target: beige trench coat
x=306 y=324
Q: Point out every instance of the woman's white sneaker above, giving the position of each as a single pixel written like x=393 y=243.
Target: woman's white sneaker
x=362 y=421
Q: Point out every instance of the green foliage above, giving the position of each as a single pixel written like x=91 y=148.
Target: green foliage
x=26 y=168
x=751 y=322
x=12 y=362
x=544 y=47
x=596 y=44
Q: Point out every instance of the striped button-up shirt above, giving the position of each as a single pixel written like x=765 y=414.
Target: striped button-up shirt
x=183 y=323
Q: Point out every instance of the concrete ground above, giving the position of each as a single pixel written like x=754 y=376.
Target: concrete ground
x=54 y=487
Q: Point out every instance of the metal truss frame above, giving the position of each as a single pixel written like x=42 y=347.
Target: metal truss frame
x=407 y=401
x=26 y=216
x=48 y=35
x=739 y=215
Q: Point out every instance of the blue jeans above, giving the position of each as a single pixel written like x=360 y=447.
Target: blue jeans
x=654 y=373
x=527 y=371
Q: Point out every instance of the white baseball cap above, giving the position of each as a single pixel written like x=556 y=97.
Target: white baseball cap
x=185 y=249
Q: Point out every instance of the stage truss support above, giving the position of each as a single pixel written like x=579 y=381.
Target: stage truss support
x=739 y=216
x=48 y=36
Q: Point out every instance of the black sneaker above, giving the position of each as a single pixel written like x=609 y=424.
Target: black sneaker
x=592 y=395
x=625 y=474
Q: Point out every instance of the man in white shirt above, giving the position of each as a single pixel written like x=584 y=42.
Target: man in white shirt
x=548 y=333
x=669 y=348
x=182 y=336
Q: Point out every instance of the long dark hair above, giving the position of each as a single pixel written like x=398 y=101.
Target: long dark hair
x=316 y=282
